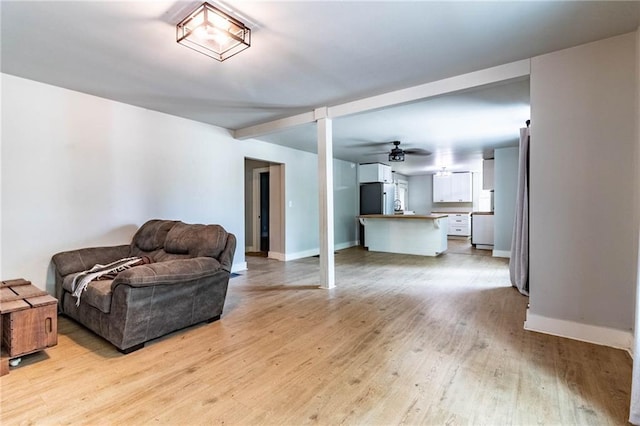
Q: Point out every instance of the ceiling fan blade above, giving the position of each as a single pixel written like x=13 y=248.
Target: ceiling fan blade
x=369 y=145
x=417 y=151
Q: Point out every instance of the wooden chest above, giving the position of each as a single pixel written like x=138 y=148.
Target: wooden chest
x=29 y=318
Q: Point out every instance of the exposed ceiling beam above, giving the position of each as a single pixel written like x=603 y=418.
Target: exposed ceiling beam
x=506 y=72
x=448 y=85
x=274 y=126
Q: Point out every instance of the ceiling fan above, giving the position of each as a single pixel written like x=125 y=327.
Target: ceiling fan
x=397 y=154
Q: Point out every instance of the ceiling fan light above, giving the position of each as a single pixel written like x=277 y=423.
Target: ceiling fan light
x=214 y=33
x=396 y=155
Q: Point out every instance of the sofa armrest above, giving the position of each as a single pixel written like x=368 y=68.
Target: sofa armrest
x=168 y=272
x=69 y=262
x=80 y=260
x=226 y=257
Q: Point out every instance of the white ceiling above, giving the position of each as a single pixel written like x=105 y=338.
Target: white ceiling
x=308 y=54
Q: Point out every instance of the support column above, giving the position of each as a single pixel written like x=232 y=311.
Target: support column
x=325 y=186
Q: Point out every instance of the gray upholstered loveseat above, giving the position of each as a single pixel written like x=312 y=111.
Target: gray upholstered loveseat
x=185 y=283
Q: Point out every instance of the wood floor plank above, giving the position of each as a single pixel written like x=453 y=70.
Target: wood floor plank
x=400 y=340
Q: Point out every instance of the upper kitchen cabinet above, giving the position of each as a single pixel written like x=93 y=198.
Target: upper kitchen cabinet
x=454 y=188
x=374 y=172
x=487 y=174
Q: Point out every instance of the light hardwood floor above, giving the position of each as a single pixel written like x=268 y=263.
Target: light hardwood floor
x=401 y=340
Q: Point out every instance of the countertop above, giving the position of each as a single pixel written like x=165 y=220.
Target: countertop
x=451 y=212
x=482 y=213
x=402 y=216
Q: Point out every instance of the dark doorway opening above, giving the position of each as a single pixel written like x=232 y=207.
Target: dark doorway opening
x=264 y=211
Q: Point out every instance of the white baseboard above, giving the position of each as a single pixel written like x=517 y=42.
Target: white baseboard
x=301 y=254
x=619 y=339
x=502 y=253
x=283 y=257
x=346 y=245
x=239 y=266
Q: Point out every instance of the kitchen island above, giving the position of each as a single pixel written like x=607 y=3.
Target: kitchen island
x=424 y=235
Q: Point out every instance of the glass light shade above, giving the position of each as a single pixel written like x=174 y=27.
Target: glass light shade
x=396 y=155
x=212 y=32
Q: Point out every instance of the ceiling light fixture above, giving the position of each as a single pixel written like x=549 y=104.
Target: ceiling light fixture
x=443 y=172
x=214 y=33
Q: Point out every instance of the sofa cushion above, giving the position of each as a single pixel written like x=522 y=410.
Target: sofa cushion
x=196 y=240
x=97 y=294
x=151 y=237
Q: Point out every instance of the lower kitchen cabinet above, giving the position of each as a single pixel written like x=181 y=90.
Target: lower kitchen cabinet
x=459 y=224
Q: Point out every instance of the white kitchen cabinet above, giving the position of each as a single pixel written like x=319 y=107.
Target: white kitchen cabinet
x=374 y=172
x=487 y=174
x=454 y=188
x=387 y=174
x=441 y=188
x=482 y=226
x=459 y=224
x=461 y=188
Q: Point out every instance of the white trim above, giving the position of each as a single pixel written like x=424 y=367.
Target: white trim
x=308 y=253
x=302 y=254
x=502 y=253
x=619 y=339
x=274 y=126
x=237 y=267
x=346 y=245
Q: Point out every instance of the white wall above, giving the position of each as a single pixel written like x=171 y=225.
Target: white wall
x=505 y=191
x=301 y=197
x=583 y=186
x=80 y=171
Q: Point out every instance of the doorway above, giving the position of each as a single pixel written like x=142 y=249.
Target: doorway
x=263 y=217
x=264 y=209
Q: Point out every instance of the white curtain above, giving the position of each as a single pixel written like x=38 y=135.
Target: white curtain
x=634 y=411
x=519 y=263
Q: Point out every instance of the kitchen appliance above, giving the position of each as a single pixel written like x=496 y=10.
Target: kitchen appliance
x=377 y=198
x=482 y=230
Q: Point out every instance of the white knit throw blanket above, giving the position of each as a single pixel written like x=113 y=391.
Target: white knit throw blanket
x=82 y=280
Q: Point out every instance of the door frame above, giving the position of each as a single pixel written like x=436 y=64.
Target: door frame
x=255 y=220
